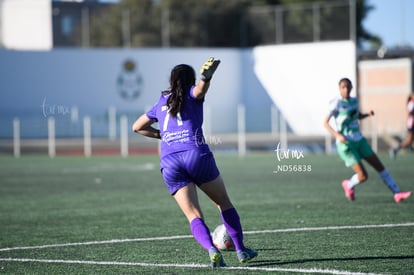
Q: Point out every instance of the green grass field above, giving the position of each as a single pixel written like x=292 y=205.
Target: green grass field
x=113 y=215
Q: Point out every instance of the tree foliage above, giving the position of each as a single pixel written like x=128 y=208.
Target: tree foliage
x=230 y=23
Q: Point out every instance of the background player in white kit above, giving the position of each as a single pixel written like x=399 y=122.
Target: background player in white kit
x=352 y=146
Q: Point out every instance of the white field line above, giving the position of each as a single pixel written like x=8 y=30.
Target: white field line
x=300 y=229
x=330 y=228
x=268 y=269
x=97 y=242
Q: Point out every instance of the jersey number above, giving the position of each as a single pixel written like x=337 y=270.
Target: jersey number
x=167 y=118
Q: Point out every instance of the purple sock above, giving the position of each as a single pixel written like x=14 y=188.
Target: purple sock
x=201 y=233
x=231 y=221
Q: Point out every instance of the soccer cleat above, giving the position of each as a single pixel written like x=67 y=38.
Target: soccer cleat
x=349 y=193
x=246 y=255
x=400 y=196
x=216 y=258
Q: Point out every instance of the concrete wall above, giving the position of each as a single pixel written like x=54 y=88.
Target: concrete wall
x=384 y=88
x=299 y=79
x=26 y=24
x=302 y=78
x=52 y=83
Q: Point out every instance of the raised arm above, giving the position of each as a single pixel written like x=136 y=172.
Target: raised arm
x=207 y=71
x=201 y=89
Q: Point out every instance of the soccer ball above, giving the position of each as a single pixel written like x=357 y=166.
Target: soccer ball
x=222 y=239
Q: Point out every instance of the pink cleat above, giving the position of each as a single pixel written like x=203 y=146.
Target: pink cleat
x=349 y=193
x=400 y=196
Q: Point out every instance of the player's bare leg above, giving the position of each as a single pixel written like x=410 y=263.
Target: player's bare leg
x=360 y=176
x=375 y=162
x=406 y=143
x=360 y=170
x=408 y=140
x=216 y=191
x=386 y=177
x=187 y=199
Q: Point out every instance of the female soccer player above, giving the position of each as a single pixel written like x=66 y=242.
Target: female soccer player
x=352 y=146
x=410 y=128
x=186 y=161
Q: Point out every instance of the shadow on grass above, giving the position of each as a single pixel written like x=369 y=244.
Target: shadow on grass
x=259 y=263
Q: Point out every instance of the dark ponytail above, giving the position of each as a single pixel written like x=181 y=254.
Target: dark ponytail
x=181 y=79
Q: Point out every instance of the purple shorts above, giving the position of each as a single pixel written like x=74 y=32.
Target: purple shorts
x=181 y=168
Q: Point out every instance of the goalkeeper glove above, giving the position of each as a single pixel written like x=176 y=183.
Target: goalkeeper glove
x=208 y=69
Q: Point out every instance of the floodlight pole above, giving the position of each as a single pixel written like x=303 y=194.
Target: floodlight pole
x=316 y=22
x=85 y=27
x=352 y=21
x=279 y=24
x=165 y=28
x=126 y=29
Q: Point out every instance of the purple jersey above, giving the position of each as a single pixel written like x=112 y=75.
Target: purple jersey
x=183 y=132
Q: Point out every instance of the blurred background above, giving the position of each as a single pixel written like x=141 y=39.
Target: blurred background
x=74 y=75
